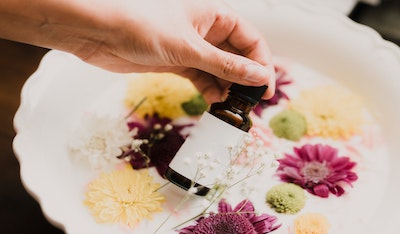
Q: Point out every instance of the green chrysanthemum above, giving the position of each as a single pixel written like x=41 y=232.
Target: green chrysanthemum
x=195 y=106
x=289 y=124
x=286 y=198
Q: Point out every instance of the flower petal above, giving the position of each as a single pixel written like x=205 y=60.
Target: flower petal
x=244 y=206
x=224 y=207
x=321 y=190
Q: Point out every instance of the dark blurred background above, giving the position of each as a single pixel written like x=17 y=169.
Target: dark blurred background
x=385 y=18
x=19 y=212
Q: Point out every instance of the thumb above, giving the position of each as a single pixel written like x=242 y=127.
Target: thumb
x=234 y=68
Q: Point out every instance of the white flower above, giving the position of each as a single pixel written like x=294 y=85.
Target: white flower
x=275 y=164
x=98 y=140
x=192 y=190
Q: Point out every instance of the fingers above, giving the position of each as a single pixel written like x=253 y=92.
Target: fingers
x=233 y=50
x=212 y=89
x=229 y=28
x=246 y=39
x=233 y=67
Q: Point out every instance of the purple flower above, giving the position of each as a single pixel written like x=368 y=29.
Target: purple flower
x=282 y=78
x=318 y=169
x=240 y=220
x=162 y=140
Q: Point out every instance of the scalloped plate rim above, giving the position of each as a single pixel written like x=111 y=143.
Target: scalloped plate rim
x=33 y=83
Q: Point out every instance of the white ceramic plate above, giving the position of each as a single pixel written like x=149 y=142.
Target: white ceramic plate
x=63 y=87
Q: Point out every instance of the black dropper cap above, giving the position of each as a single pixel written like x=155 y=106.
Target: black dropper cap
x=251 y=94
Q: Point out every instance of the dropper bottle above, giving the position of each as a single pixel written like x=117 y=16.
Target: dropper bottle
x=224 y=124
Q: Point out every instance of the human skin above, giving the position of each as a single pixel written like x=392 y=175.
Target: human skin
x=205 y=41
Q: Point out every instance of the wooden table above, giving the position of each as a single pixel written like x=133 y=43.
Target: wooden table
x=19 y=212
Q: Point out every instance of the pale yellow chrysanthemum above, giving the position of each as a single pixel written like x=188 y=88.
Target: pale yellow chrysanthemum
x=164 y=92
x=123 y=196
x=330 y=111
x=311 y=223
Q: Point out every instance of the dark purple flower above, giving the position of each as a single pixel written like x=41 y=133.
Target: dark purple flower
x=318 y=169
x=163 y=139
x=282 y=78
x=240 y=220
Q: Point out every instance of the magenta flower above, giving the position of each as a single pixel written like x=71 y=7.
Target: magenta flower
x=282 y=78
x=161 y=140
x=240 y=220
x=318 y=169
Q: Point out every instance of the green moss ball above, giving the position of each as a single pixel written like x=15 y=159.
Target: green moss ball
x=286 y=198
x=288 y=124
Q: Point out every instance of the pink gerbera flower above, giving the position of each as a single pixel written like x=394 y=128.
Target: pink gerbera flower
x=318 y=169
x=240 y=220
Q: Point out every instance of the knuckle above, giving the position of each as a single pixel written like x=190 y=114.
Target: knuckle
x=177 y=52
x=185 y=55
x=228 y=65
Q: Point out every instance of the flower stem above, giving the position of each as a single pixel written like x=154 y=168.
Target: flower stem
x=162 y=186
x=135 y=108
x=183 y=201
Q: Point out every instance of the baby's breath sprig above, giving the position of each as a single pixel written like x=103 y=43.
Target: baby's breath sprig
x=245 y=161
x=135 y=147
x=156 y=142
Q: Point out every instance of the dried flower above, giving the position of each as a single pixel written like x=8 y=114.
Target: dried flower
x=241 y=219
x=157 y=141
x=318 y=169
x=282 y=78
x=311 y=223
x=164 y=92
x=330 y=112
x=99 y=139
x=289 y=124
x=123 y=196
x=286 y=198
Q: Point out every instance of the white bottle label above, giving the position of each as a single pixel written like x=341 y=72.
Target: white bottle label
x=207 y=152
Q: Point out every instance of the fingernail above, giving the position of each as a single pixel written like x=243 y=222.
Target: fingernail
x=256 y=73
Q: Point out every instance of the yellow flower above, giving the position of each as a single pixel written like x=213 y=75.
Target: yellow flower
x=330 y=112
x=311 y=223
x=124 y=196
x=164 y=92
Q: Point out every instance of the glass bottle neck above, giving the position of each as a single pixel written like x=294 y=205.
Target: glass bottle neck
x=239 y=103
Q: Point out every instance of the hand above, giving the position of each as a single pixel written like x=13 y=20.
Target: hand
x=205 y=41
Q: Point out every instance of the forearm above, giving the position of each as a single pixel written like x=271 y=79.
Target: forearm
x=196 y=40
x=69 y=25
